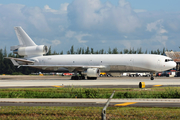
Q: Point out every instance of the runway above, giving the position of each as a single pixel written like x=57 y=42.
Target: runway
x=101 y=82
x=91 y=102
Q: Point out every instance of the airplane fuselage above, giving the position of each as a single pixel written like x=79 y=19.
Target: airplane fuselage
x=112 y=62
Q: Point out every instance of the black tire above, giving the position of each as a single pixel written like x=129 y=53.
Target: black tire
x=152 y=78
x=83 y=77
x=91 y=78
x=72 y=77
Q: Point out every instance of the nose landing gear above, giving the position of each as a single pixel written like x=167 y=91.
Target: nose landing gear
x=152 y=77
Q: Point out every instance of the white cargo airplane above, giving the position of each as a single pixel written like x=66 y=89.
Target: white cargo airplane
x=88 y=65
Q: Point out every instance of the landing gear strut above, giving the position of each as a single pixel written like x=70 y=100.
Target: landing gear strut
x=152 y=77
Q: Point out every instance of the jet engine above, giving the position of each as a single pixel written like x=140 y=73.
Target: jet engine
x=38 y=50
x=92 y=72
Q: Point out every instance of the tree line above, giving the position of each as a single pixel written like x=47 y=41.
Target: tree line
x=6 y=66
x=110 y=51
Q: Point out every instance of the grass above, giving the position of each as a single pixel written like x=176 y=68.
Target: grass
x=161 y=92
x=71 y=113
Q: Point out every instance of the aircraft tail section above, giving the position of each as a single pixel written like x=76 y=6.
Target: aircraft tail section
x=24 y=39
x=27 y=47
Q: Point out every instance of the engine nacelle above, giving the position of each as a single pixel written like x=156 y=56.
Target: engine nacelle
x=92 y=72
x=38 y=50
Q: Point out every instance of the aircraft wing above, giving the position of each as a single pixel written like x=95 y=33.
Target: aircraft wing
x=19 y=59
x=69 y=67
x=44 y=67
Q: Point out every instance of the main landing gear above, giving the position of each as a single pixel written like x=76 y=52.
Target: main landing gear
x=78 y=78
x=82 y=78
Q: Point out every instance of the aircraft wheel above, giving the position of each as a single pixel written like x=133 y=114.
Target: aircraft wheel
x=91 y=78
x=75 y=78
x=83 y=77
x=152 y=78
x=72 y=77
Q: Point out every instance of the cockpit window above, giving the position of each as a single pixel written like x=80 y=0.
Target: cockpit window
x=167 y=60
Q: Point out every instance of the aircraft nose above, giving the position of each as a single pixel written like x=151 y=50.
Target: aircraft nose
x=173 y=64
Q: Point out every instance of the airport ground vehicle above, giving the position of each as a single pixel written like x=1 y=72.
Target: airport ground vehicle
x=67 y=74
x=139 y=74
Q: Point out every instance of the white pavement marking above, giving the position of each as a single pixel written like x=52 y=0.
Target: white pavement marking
x=81 y=100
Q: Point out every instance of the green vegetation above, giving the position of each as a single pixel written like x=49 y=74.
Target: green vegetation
x=89 y=93
x=8 y=68
x=82 y=113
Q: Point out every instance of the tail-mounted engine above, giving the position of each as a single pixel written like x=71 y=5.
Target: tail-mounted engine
x=38 y=50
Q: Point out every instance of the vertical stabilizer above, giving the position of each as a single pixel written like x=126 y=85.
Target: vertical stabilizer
x=24 y=39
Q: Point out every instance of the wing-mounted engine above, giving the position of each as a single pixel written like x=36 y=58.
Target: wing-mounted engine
x=91 y=72
x=38 y=50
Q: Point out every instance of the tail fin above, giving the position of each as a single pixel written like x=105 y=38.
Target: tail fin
x=24 y=39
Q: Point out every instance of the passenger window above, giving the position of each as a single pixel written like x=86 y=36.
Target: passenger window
x=165 y=60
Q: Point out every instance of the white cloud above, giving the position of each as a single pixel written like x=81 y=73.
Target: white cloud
x=70 y=34
x=153 y=25
x=56 y=42
x=63 y=7
x=159 y=29
x=103 y=41
x=123 y=3
x=37 y=18
x=80 y=36
x=139 y=10
x=93 y=15
x=131 y=43
x=125 y=36
x=62 y=10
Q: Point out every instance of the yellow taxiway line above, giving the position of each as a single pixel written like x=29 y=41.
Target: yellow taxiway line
x=58 y=86
x=157 y=85
x=125 y=104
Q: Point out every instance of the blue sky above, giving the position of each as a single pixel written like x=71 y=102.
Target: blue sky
x=149 y=5
x=99 y=24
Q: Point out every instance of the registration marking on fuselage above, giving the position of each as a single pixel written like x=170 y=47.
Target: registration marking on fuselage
x=125 y=104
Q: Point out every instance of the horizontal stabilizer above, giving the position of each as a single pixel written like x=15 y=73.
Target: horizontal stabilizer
x=14 y=62
x=18 y=59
